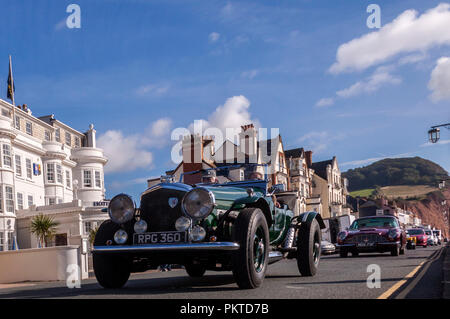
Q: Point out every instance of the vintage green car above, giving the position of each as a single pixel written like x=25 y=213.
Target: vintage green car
x=236 y=224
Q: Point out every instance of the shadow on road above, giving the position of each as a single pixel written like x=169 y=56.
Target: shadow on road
x=154 y=286
x=340 y=282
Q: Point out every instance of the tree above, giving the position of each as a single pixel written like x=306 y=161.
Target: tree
x=92 y=234
x=44 y=227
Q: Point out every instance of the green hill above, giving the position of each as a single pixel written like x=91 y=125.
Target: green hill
x=395 y=171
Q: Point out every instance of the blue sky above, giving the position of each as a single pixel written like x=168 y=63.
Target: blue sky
x=137 y=69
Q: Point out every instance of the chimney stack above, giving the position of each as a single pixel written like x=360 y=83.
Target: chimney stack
x=308 y=158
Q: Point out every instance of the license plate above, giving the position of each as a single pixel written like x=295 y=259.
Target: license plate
x=368 y=244
x=159 y=238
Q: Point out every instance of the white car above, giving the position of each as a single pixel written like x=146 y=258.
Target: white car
x=438 y=234
x=432 y=240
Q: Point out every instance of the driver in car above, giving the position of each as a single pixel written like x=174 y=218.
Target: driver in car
x=209 y=177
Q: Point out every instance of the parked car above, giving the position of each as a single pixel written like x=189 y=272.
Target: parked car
x=373 y=234
x=438 y=234
x=327 y=247
x=232 y=221
x=430 y=237
x=410 y=241
x=420 y=235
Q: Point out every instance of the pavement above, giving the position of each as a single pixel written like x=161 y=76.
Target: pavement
x=446 y=273
x=417 y=274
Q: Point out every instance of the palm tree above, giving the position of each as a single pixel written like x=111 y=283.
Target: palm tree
x=92 y=234
x=44 y=227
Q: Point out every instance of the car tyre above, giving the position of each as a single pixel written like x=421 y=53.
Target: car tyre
x=355 y=253
x=343 y=253
x=195 y=271
x=250 y=260
x=308 y=248
x=111 y=271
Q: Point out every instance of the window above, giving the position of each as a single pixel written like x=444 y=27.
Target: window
x=87 y=178
x=68 y=181
x=77 y=141
x=58 y=135
x=50 y=173
x=98 y=181
x=6 y=113
x=1 y=197
x=29 y=128
x=59 y=200
x=18 y=165
x=2 y=241
x=19 y=201
x=17 y=123
x=51 y=201
x=7 y=155
x=30 y=200
x=28 y=167
x=87 y=227
x=47 y=135
x=59 y=177
x=68 y=139
x=9 y=199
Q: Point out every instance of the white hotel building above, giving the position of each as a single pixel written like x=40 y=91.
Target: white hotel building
x=50 y=168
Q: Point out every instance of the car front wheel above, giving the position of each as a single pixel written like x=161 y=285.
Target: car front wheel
x=250 y=260
x=308 y=248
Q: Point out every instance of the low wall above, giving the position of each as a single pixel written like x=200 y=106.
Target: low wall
x=38 y=264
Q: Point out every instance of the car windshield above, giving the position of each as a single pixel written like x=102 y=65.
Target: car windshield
x=415 y=231
x=232 y=173
x=378 y=222
x=428 y=232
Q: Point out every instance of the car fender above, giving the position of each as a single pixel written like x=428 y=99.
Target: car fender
x=256 y=201
x=308 y=217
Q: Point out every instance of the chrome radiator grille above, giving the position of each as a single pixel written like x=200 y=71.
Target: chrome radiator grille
x=365 y=238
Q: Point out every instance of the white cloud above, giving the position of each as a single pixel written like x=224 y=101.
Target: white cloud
x=440 y=142
x=128 y=153
x=318 y=141
x=152 y=89
x=213 y=37
x=325 y=102
x=408 y=33
x=125 y=153
x=250 y=74
x=373 y=159
x=232 y=114
x=380 y=77
x=440 y=80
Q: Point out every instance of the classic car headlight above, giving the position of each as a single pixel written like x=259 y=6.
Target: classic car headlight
x=182 y=223
x=393 y=233
x=120 y=237
x=198 y=233
x=121 y=209
x=198 y=203
x=140 y=226
x=342 y=235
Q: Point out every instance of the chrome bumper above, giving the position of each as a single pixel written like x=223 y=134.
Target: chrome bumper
x=218 y=246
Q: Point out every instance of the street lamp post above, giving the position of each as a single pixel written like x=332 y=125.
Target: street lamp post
x=434 y=134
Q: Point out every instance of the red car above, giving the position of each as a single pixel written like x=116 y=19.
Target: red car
x=421 y=236
x=373 y=234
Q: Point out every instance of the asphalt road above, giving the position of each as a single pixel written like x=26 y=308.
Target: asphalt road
x=337 y=278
